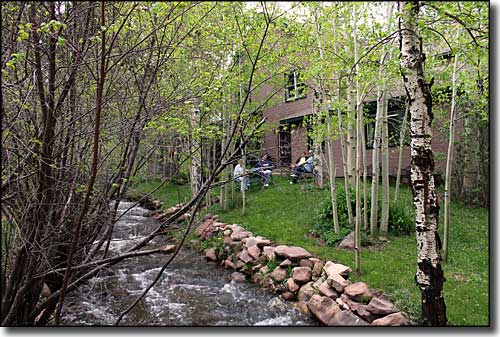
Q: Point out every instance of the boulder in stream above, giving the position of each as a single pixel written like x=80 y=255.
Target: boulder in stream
x=167 y=249
x=238 y=277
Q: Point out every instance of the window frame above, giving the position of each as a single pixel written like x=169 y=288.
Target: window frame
x=295 y=86
x=394 y=136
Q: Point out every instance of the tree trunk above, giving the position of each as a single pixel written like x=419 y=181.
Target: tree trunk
x=317 y=150
x=332 y=174
x=359 y=123
x=365 y=177
x=331 y=160
x=223 y=188
x=381 y=104
x=384 y=217
x=195 y=148
x=351 y=134
x=429 y=276
x=402 y=135
x=343 y=145
x=376 y=164
x=451 y=141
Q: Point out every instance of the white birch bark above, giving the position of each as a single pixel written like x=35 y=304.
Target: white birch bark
x=384 y=217
x=429 y=276
x=381 y=102
x=343 y=145
x=451 y=142
x=365 y=177
x=331 y=159
x=359 y=122
x=195 y=167
x=402 y=134
x=351 y=133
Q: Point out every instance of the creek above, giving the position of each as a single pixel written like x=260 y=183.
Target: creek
x=191 y=291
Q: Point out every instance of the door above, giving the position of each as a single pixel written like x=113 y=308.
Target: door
x=285 y=148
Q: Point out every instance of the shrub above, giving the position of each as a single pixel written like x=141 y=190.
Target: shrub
x=400 y=219
x=216 y=242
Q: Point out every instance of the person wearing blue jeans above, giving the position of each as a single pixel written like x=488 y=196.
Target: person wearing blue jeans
x=308 y=167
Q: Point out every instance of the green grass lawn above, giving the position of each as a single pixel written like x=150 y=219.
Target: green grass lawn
x=284 y=212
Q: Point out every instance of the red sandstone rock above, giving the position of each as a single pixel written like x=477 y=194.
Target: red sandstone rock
x=314 y=259
x=301 y=274
x=261 y=242
x=306 y=292
x=229 y=264
x=358 y=291
x=379 y=306
x=317 y=268
x=254 y=252
x=291 y=285
x=269 y=253
x=325 y=290
x=337 y=282
x=347 y=318
x=239 y=264
x=251 y=241
x=244 y=256
x=205 y=227
x=288 y=296
x=324 y=308
x=336 y=268
x=279 y=274
x=365 y=314
x=306 y=263
x=302 y=307
x=257 y=278
x=396 y=319
x=286 y=263
x=292 y=252
x=210 y=254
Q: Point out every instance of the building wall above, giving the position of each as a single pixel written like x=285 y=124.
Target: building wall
x=281 y=111
x=286 y=110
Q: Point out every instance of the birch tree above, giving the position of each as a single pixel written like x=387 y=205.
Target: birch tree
x=429 y=276
x=451 y=142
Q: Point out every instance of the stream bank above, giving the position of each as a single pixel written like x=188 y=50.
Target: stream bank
x=191 y=291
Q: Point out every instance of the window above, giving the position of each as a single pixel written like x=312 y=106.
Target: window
x=395 y=114
x=295 y=88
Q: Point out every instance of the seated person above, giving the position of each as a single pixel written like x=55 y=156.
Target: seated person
x=307 y=166
x=264 y=168
x=240 y=176
x=300 y=161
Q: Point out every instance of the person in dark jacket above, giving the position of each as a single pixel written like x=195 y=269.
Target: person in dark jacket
x=264 y=168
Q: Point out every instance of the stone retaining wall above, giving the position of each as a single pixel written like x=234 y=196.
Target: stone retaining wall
x=319 y=288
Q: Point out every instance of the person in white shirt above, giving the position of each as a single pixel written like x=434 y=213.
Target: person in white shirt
x=239 y=174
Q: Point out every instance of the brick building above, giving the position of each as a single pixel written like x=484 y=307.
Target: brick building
x=286 y=137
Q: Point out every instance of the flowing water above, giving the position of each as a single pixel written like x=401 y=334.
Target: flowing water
x=191 y=292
